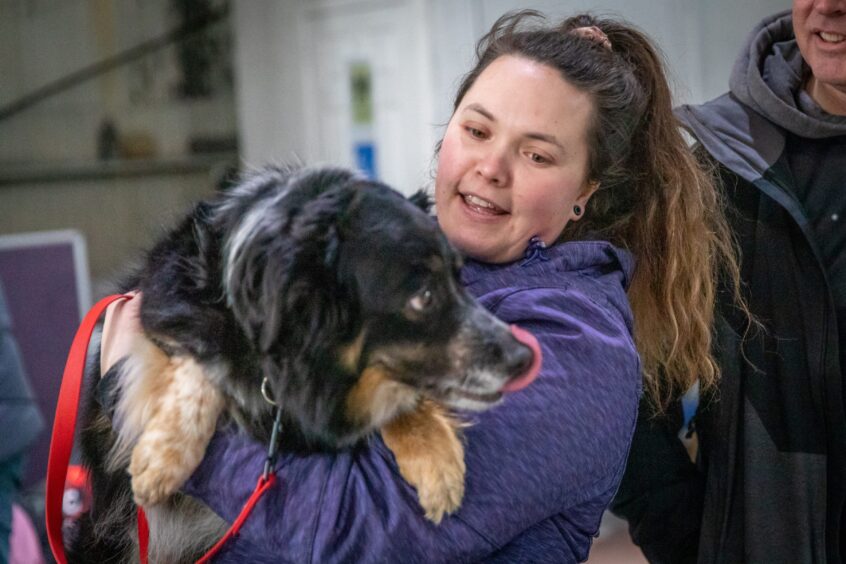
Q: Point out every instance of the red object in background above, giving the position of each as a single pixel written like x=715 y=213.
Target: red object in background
x=77 y=497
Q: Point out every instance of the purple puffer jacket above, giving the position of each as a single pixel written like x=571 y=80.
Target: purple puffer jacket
x=541 y=467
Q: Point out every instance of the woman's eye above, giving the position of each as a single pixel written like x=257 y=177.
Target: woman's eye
x=420 y=301
x=476 y=133
x=539 y=159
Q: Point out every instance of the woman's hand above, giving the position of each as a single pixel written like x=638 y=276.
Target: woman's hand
x=122 y=323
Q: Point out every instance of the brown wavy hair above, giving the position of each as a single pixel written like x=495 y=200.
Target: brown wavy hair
x=654 y=198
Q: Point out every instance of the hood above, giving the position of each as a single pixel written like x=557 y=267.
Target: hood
x=745 y=128
x=768 y=77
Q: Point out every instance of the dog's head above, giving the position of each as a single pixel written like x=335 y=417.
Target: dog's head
x=349 y=293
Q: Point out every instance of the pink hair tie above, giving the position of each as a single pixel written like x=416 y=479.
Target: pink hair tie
x=594 y=34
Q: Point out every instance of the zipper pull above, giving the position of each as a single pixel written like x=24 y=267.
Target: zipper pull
x=535 y=252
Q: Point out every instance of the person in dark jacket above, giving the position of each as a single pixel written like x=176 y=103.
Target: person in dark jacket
x=561 y=168
x=19 y=416
x=769 y=483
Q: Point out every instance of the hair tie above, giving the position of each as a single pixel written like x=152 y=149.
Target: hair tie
x=594 y=34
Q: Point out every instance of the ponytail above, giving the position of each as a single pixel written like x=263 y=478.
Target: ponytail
x=653 y=198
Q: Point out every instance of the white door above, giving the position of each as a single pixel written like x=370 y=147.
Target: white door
x=367 y=89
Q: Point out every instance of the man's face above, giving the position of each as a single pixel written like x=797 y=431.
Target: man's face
x=820 y=29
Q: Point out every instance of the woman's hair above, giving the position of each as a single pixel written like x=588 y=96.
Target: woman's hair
x=654 y=199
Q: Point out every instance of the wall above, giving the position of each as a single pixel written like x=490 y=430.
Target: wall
x=50 y=173
x=293 y=94
x=699 y=39
x=43 y=40
x=283 y=93
x=119 y=215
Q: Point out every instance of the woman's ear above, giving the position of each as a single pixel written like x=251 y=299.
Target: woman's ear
x=580 y=204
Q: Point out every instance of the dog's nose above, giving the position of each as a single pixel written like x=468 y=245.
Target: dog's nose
x=518 y=359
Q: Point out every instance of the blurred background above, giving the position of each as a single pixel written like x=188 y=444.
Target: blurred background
x=116 y=115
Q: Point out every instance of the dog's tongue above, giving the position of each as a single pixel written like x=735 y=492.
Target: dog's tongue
x=527 y=377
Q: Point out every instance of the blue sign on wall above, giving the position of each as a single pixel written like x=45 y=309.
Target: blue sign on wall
x=365 y=158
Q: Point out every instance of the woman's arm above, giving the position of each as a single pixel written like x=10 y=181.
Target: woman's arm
x=662 y=491
x=120 y=325
x=546 y=449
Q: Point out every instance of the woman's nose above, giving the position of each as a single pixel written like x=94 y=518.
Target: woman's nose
x=494 y=167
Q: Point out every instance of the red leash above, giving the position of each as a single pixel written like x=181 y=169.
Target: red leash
x=264 y=484
x=64 y=425
x=61 y=445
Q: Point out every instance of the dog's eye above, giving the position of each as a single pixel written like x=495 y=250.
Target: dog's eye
x=420 y=301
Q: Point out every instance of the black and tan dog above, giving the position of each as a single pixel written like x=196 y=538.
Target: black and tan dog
x=336 y=294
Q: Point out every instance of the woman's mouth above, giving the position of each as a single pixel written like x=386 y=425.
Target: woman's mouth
x=482 y=206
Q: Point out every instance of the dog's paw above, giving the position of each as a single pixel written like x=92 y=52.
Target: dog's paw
x=175 y=437
x=440 y=487
x=430 y=457
x=157 y=473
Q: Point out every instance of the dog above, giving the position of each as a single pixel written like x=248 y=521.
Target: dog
x=312 y=290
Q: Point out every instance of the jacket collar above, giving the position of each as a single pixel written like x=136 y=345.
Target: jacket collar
x=570 y=256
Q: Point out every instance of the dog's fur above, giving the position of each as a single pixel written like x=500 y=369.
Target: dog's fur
x=340 y=293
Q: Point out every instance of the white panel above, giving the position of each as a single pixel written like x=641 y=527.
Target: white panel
x=267 y=80
x=723 y=27
x=389 y=37
x=456 y=26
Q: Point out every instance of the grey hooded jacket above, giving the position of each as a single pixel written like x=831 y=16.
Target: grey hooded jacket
x=769 y=483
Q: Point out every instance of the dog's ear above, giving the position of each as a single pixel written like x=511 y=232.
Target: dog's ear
x=319 y=225
x=282 y=285
x=422 y=200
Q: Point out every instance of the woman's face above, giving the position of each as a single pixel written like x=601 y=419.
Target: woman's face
x=513 y=161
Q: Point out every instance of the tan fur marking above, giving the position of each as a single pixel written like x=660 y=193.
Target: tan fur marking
x=351 y=354
x=143 y=379
x=377 y=398
x=430 y=457
x=175 y=437
x=436 y=263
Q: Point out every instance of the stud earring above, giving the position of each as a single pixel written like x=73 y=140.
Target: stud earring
x=577 y=210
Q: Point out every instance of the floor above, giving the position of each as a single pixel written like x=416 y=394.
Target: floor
x=613 y=546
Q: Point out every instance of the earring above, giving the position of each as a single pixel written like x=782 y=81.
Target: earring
x=577 y=209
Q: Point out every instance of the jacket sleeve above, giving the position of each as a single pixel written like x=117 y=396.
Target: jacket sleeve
x=552 y=541
x=662 y=491
x=18 y=408
x=553 y=446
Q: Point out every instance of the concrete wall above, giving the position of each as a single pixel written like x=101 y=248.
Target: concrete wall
x=279 y=71
x=50 y=175
x=118 y=216
x=43 y=40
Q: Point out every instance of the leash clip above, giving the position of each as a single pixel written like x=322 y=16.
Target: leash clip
x=273 y=447
x=266 y=394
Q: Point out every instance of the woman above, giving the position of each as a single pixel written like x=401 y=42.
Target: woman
x=561 y=162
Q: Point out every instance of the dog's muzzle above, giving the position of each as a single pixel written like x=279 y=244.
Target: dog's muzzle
x=492 y=359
